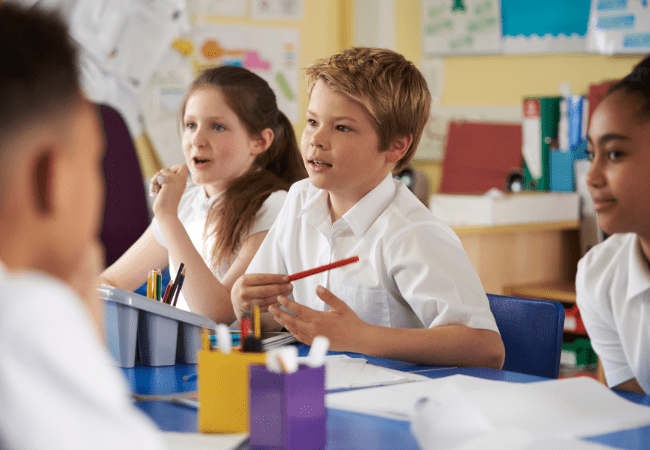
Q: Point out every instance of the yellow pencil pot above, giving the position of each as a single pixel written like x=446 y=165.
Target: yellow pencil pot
x=223 y=390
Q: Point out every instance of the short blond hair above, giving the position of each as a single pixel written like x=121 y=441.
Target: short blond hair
x=391 y=90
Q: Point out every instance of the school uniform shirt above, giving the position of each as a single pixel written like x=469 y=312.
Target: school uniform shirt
x=412 y=270
x=613 y=295
x=59 y=387
x=193 y=212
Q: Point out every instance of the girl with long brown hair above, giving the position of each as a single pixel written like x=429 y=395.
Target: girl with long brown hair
x=242 y=155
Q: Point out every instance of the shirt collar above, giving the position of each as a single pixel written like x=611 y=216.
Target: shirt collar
x=366 y=211
x=360 y=216
x=638 y=273
x=203 y=202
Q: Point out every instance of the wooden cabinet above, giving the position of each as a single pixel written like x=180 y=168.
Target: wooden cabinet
x=530 y=254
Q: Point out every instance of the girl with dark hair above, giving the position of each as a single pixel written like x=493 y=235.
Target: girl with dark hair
x=613 y=280
x=242 y=155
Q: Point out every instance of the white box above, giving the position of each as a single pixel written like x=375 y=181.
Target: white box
x=505 y=209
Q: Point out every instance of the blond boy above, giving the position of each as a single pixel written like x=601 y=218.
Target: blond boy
x=59 y=388
x=414 y=295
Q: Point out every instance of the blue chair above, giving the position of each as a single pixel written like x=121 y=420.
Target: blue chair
x=532 y=333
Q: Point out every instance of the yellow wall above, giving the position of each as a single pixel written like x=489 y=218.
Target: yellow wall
x=503 y=79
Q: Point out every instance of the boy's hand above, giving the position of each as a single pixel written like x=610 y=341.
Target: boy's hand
x=258 y=289
x=340 y=324
x=169 y=191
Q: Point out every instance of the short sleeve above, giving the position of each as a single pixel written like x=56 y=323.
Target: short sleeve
x=269 y=212
x=599 y=322
x=269 y=257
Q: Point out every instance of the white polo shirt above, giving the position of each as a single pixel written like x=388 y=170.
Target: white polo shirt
x=412 y=273
x=59 y=387
x=613 y=295
x=193 y=212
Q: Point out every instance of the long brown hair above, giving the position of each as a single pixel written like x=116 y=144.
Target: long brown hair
x=231 y=218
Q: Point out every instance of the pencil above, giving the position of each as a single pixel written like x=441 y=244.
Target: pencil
x=150 y=284
x=167 y=291
x=180 y=285
x=158 y=285
x=257 y=328
x=314 y=271
x=172 y=291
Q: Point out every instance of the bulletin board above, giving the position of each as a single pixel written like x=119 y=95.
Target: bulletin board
x=455 y=27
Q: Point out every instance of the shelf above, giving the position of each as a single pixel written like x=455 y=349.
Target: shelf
x=517 y=228
x=559 y=291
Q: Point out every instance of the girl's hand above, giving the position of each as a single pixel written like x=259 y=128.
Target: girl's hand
x=340 y=324
x=169 y=192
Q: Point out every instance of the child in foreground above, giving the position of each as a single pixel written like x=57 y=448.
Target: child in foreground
x=414 y=294
x=242 y=154
x=59 y=388
x=613 y=279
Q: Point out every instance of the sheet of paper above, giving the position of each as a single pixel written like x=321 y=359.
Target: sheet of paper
x=199 y=441
x=569 y=407
x=519 y=440
x=341 y=371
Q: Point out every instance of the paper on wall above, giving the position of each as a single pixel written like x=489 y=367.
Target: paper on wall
x=270 y=52
x=619 y=27
x=461 y=26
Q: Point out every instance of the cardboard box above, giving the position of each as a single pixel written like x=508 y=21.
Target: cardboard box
x=505 y=209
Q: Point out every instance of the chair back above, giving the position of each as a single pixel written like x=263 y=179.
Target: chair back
x=532 y=332
x=126 y=214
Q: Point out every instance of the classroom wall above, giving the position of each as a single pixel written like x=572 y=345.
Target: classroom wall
x=502 y=79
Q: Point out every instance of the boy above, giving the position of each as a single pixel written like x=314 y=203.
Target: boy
x=59 y=388
x=413 y=295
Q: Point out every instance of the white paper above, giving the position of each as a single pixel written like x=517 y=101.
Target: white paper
x=342 y=371
x=277 y=9
x=232 y=8
x=573 y=407
x=469 y=26
x=271 y=52
x=519 y=440
x=618 y=27
x=199 y=441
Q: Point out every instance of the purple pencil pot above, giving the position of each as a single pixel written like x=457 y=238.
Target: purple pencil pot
x=287 y=410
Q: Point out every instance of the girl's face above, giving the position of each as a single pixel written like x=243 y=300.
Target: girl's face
x=619 y=176
x=216 y=145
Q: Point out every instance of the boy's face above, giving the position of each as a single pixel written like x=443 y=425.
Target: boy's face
x=619 y=149
x=80 y=187
x=340 y=146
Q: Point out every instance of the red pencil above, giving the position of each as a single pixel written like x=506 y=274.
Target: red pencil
x=306 y=273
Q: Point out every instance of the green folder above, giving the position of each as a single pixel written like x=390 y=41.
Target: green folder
x=539 y=134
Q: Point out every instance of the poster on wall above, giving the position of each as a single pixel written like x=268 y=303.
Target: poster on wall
x=619 y=26
x=461 y=27
x=231 y=8
x=277 y=9
x=272 y=53
x=558 y=27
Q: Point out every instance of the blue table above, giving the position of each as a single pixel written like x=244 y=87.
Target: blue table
x=344 y=429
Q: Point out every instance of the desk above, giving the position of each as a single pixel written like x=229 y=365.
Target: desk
x=344 y=429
